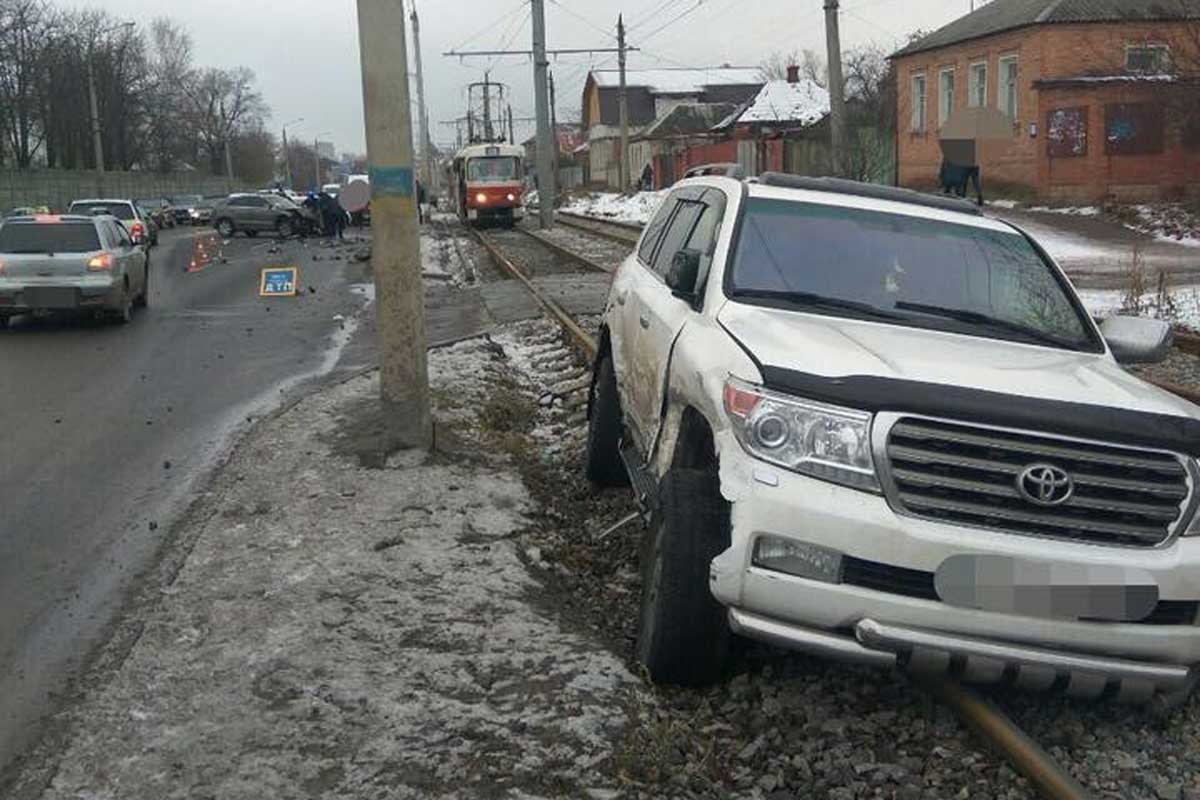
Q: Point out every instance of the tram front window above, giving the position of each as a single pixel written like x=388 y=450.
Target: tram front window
x=492 y=170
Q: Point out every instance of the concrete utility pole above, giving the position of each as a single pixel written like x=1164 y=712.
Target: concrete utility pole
x=545 y=169
x=423 y=113
x=512 y=137
x=97 y=139
x=837 y=100
x=228 y=156
x=395 y=253
x=554 y=130
x=623 y=99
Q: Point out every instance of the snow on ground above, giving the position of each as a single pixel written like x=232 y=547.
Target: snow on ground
x=638 y=208
x=1185 y=300
x=1169 y=223
x=343 y=631
x=1005 y=204
x=1082 y=211
x=1063 y=246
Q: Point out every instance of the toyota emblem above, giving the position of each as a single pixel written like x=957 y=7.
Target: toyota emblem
x=1045 y=485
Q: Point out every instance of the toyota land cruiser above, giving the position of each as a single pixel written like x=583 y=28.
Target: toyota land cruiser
x=880 y=426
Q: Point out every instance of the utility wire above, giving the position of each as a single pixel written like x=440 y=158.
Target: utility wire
x=661 y=8
x=594 y=26
x=664 y=26
x=491 y=25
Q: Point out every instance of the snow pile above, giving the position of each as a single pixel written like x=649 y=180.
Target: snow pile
x=1005 y=204
x=638 y=208
x=1169 y=222
x=1084 y=211
x=779 y=101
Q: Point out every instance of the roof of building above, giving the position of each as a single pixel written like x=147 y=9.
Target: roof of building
x=679 y=80
x=999 y=16
x=687 y=119
x=780 y=102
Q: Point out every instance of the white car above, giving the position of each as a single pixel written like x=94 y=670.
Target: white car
x=880 y=427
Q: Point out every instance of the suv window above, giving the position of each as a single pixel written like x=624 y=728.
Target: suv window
x=678 y=234
x=655 y=229
x=122 y=211
x=915 y=272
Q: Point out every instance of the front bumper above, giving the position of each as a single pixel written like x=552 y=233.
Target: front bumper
x=19 y=296
x=853 y=623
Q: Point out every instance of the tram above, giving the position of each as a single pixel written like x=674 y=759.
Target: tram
x=488 y=184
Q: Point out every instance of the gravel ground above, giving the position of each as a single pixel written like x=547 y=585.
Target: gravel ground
x=603 y=251
x=535 y=259
x=1180 y=368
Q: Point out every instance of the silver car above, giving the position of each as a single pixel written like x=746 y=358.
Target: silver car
x=258 y=213
x=70 y=262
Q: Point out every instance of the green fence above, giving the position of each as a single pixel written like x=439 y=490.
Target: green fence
x=57 y=188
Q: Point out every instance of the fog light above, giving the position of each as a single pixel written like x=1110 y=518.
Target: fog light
x=801 y=559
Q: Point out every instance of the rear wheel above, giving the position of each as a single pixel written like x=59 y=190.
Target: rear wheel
x=123 y=314
x=603 y=463
x=683 y=635
x=225 y=228
x=143 y=299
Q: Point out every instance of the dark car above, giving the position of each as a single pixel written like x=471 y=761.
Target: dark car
x=185 y=209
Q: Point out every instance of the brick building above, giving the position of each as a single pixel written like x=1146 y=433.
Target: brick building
x=1103 y=96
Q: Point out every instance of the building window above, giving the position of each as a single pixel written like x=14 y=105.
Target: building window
x=977 y=85
x=1133 y=129
x=945 y=95
x=918 y=104
x=1152 y=59
x=1066 y=133
x=1007 y=101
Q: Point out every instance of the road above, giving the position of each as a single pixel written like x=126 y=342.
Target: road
x=108 y=429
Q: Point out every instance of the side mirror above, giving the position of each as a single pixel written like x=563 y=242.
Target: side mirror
x=1137 y=340
x=683 y=274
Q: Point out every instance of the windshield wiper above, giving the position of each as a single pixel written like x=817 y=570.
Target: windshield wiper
x=814 y=300
x=988 y=321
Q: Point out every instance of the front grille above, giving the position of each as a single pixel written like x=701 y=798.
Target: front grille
x=969 y=475
x=916 y=583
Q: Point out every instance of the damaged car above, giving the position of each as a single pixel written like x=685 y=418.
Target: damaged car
x=880 y=427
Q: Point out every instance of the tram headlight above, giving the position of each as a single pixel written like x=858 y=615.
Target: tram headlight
x=481 y=198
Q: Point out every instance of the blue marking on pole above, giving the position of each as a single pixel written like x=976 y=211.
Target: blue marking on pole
x=391 y=181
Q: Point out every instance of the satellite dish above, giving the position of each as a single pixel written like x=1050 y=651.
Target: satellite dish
x=355 y=196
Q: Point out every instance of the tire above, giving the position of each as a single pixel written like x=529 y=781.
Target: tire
x=683 y=633
x=143 y=299
x=284 y=228
x=226 y=228
x=603 y=464
x=3 y=323
x=123 y=314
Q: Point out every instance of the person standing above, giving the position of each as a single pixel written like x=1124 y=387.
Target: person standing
x=422 y=215
x=648 y=178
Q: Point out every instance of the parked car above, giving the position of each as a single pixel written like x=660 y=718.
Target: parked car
x=158 y=209
x=878 y=426
x=257 y=213
x=135 y=219
x=71 y=262
x=203 y=209
x=27 y=211
x=185 y=209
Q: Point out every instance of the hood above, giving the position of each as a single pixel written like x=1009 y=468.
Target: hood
x=836 y=347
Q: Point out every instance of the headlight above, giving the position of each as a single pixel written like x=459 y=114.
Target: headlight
x=811 y=438
x=481 y=198
x=193 y=212
x=512 y=197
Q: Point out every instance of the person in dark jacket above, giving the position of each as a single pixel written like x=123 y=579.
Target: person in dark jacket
x=648 y=178
x=333 y=218
x=421 y=216
x=955 y=177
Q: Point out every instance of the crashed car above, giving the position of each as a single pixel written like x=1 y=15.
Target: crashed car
x=880 y=427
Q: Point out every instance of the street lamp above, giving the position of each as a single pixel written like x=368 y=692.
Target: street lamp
x=287 y=154
x=317 y=156
x=97 y=139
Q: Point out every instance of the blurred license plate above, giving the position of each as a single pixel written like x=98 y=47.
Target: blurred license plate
x=1042 y=589
x=51 y=297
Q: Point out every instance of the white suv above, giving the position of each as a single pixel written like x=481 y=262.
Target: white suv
x=878 y=426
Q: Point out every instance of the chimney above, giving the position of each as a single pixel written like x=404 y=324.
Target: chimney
x=793 y=73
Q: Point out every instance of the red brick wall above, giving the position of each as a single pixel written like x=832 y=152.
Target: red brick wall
x=1050 y=52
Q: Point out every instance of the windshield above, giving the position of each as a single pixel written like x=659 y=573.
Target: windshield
x=188 y=200
x=494 y=169
x=121 y=211
x=917 y=272
x=36 y=237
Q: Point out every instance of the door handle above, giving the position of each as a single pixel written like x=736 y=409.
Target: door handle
x=645 y=321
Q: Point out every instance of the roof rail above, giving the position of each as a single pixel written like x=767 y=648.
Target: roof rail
x=872 y=190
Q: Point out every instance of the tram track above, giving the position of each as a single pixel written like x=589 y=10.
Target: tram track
x=993 y=727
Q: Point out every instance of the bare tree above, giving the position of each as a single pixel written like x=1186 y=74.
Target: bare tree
x=812 y=66
x=223 y=103
x=25 y=31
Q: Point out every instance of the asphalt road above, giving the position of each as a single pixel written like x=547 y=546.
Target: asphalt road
x=106 y=431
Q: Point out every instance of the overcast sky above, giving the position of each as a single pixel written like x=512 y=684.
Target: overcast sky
x=305 y=52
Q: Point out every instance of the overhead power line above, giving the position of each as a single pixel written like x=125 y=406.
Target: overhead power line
x=678 y=18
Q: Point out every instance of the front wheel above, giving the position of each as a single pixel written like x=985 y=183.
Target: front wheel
x=683 y=635
x=225 y=228
x=603 y=464
x=284 y=228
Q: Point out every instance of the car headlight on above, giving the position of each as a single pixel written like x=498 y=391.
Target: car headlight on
x=193 y=212
x=815 y=439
